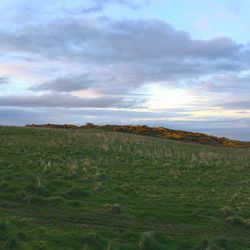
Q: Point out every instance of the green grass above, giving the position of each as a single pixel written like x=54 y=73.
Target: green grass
x=91 y=189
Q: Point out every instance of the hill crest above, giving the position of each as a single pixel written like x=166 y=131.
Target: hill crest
x=160 y=132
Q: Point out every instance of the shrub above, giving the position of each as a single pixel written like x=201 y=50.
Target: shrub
x=226 y=211
x=92 y=237
x=147 y=241
x=113 y=208
x=235 y=220
x=98 y=187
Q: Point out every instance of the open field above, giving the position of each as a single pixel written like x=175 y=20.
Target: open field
x=94 y=189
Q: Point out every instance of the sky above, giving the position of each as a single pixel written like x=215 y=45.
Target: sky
x=173 y=63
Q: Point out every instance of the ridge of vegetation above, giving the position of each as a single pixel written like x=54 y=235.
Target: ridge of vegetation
x=160 y=132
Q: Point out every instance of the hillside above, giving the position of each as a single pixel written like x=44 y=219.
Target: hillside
x=160 y=132
x=96 y=189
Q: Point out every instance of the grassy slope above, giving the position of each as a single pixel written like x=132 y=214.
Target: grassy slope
x=90 y=189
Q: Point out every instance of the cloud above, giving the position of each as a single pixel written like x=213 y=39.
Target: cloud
x=117 y=59
x=98 y=5
x=63 y=100
x=4 y=80
x=66 y=84
x=242 y=105
x=117 y=80
x=228 y=83
x=124 y=78
x=107 y=42
x=57 y=100
x=122 y=56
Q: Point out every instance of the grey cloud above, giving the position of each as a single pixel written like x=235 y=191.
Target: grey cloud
x=66 y=84
x=4 y=80
x=104 y=41
x=126 y=77
x=116 y=81
x=124 y=54
x=238 y=104
x=227 y=83
x=98 y=5
x=216 y=48
x=58 y=100
x=154 y=39
x=63 y=100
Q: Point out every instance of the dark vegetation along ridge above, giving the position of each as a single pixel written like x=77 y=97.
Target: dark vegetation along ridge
x=156 y=132
x=95 y=189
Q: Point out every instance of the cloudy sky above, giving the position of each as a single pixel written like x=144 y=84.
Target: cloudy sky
x=173 y=63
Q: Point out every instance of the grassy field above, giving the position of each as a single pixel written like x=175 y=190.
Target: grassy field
x=91 y=189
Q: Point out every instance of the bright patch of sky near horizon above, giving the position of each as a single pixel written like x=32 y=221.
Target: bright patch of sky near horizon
x=180 y=64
